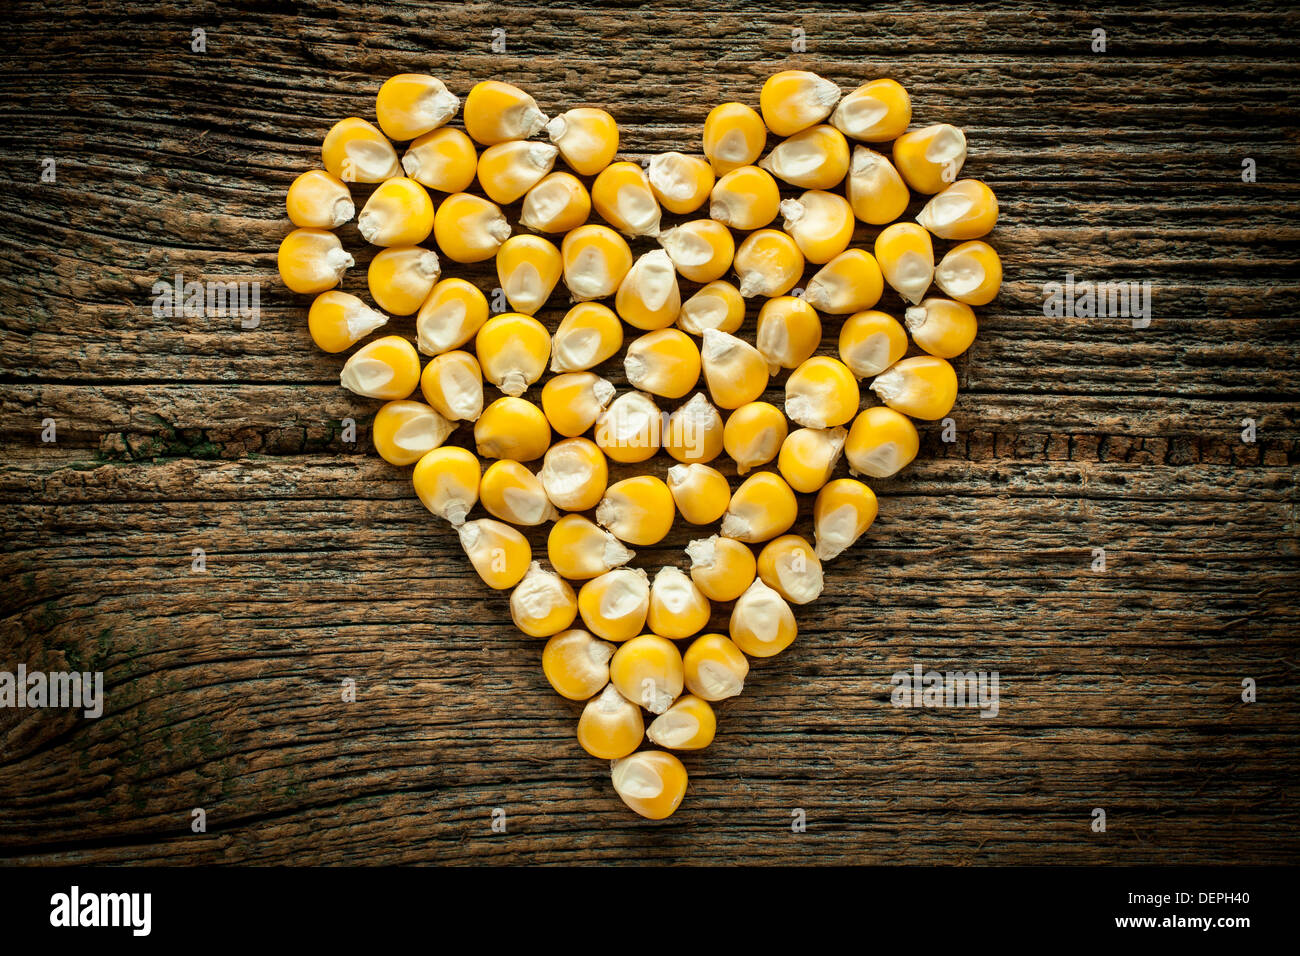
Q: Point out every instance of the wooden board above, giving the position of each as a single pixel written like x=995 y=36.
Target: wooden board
x=1120 y=689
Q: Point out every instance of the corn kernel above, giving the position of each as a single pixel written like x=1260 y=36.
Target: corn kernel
x=762 y=624
x=941 y=326
x=648 y=670
x=820 y=223
x=629 y=430
x=678 y=608
x=715 y=668
x=444 y=160
x=398 y=213
x=768 y=263
x=574 y=474
x=498 y=552
x=446 y=482
x=338 y=320
x=386 y=368
x=508 y=170
x=881 y=443
x=734 y=136
x=596 y=260
x=754 y=434
x=745 y=198
x=452 y=383
x=622 y=196
x=587 y=138
x=906 y=258
x=312 y=260
x=577 y=664
x=734 y=370
x=637 y=510
x=851 y=282
x=610 y=726
x=511 y=492
x=404 y=432
x=588 y=334
x=614 y=604
x=822 y=393
x=542 y=603
x=793 y=100
x=701 y=250
x=496 y=112
x=651 y=782
x=970 y=273
x=789 y=331
x=760 y=509
x=513 y=350
x=694 y=431
x=844 y=509
x=412 y=104
x=574 y=401
x=875 y=112
x=469 y=229
x=512 y=428
x=580 y=550
x=317 y=200
x=452 y=315
x=719 y=305
x=870 y=342
x=809 y=455
x=929 y=159
x=529 y=268
x=401 y=277
x=689 y=724
x=558 y=203
x=649 y=296
x=965 y=210
x=817 y=158
x=789 y=567
x=722 y=568
x=923 y=387
x=665 y=363
x=681 y=183
x=701 y=494
x=874 y=189
x=356 y=152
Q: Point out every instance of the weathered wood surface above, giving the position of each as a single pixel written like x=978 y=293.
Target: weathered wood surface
x=1120 y=689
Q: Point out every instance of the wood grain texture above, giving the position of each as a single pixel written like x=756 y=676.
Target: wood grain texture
x=1120 y=690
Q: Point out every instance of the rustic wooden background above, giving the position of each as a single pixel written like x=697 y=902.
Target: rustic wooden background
x=1120 y=689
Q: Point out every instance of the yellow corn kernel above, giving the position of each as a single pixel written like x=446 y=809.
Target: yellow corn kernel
x=444 y=160
x=398 y=213
x=596 y=259
x=649 y=296
x=762 y=624
x=701 y=494
x=970 y=273
x=574 y=474
x=681 y=183
x=587 y=139
x=542 y=603
x=339 y=320
x=651 y=782
x=614 y=604
x=512 y=428
x=965 y=210
x=401 y=277
x=452 y=315
x=875 y=112
x=719 y=305
x=941 y=326
x=446 y=482
x=715 y=668
x=356 y=152
x=317 y=200
x=689 y=724
x=629 y=430
x=622 y=196
x=874 y=188
x=923 y=387
x=929 y=159
x=648 y=670
x=412 y=104
x=469 y=229
x=452 y=383
x=387 y=368
x=496 y=112
x=577 y=664
x=574 y=401
x=610 y=727
x=906 y=258
x=793 y=100
x=694 y=433
x=753 y=435
x=312 y=260
x=745 y=198
x=701 y=250
x=851 y=282
x=511 y=492
x=734 y=136
x=508 y=170
x=761 y=508
x=820 y=223
x=580 y=550
x=822 y=393
x=768 y=263
x=528 y=268
x=558 y=203
x=881 y=443
x=809 y=455
x=870 y=342
x=404 y=431
x=637 y=510
x=665 y=363
x=789 y=331
x=678 y=608
x=513 y=350
x=844 y=509
x=734 y=370
x=817 y=158
x=721 y=567
x=499 y=553
x=588 y=334
x=789 y=566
